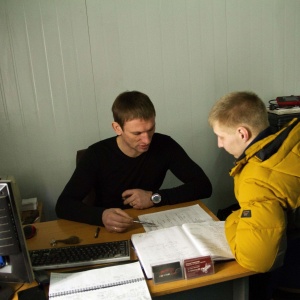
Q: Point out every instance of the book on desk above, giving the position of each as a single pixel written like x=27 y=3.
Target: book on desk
x=124 y=281
x=177 y=243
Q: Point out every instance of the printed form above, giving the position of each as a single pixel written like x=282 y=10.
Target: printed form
x=175 y=217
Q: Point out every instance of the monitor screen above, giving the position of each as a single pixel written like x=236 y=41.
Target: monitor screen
x=14 y=259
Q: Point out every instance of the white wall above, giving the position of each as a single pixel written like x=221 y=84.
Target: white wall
x=63 y=62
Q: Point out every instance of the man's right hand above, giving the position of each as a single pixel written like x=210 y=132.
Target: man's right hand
x=116 y=220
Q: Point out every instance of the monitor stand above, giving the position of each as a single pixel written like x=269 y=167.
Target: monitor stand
x=6 y=291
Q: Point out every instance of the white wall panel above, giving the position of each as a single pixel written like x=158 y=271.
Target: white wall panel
x=63 y=62
x=48 y=93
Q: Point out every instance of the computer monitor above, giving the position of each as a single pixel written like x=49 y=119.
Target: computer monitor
x=14 y=188
x=16 y=264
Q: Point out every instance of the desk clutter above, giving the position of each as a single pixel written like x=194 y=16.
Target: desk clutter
x=184 y=244
x=188 y=269
x=31 y=211
x=29 y=204
x=280 y=116
x=171 y=250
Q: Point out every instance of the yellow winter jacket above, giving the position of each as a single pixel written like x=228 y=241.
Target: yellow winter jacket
x=267 y=187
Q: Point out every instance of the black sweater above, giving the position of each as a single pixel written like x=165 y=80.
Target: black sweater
x=110 y=172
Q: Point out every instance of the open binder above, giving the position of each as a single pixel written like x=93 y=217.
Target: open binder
x=181 y=242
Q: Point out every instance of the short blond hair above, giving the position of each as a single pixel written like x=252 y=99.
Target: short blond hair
x=240 y=109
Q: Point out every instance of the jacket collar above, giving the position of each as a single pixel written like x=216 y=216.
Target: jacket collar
x=263 y=134
x=263 y=146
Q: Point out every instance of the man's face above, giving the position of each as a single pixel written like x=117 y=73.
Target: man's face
x=136 y=136
x=230 y=139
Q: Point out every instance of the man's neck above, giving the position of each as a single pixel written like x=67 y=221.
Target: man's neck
x=125 y=149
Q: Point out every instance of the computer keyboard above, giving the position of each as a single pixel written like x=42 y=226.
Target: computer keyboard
x=80 y=255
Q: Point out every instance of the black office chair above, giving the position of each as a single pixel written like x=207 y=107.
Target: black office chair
x=288 y=286
x=90 y=198
x=282 y=283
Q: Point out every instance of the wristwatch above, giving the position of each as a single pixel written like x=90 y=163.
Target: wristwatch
x=156 y=198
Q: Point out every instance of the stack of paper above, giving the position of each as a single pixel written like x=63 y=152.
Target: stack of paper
x=29 y=204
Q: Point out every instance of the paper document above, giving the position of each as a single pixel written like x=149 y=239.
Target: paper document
x=181 y=242
x=125 y=281
x=176 y=216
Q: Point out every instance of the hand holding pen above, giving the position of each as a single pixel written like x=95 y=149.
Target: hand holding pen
x=116 y=220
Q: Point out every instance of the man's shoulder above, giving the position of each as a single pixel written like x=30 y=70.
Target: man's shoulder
x=163 y=140
x=102 y=145
x=161 y=137
x=106 y=141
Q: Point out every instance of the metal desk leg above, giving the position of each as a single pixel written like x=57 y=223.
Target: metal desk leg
x=241 y=289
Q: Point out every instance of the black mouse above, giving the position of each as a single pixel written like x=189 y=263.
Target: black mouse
x=29 y=231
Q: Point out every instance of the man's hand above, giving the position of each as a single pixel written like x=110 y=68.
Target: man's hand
x=137 y=198
x=116 y=220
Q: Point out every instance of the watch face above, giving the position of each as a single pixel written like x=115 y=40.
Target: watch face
x=156 y=198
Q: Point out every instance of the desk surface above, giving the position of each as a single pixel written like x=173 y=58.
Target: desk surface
x=60 y=229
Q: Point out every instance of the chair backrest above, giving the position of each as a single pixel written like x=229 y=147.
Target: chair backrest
x=90 y=198
x=79 y=155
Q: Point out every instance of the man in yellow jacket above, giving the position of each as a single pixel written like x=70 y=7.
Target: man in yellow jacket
x=266 y=181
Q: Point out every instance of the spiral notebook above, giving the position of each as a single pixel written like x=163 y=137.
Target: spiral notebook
x=125 y=281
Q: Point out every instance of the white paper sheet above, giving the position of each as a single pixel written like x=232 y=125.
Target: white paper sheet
x=175 y=217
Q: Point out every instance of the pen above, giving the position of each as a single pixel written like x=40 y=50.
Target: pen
x=97 y=232
x=144 y=223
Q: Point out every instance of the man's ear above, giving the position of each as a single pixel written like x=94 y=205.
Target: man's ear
x=244 y=133
x=117 y=128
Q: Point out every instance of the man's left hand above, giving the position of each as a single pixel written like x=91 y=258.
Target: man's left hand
x=137 y=198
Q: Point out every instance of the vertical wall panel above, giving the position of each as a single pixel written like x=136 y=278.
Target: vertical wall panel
x=12 y=135
x=220 y=48
x=267 y=60
x=48 y=94
x=291 y=30
x=106 y=58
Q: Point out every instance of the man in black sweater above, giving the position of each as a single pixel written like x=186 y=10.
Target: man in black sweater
x=128 y=170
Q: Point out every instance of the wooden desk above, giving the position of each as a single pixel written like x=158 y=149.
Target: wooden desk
x=60 y=229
